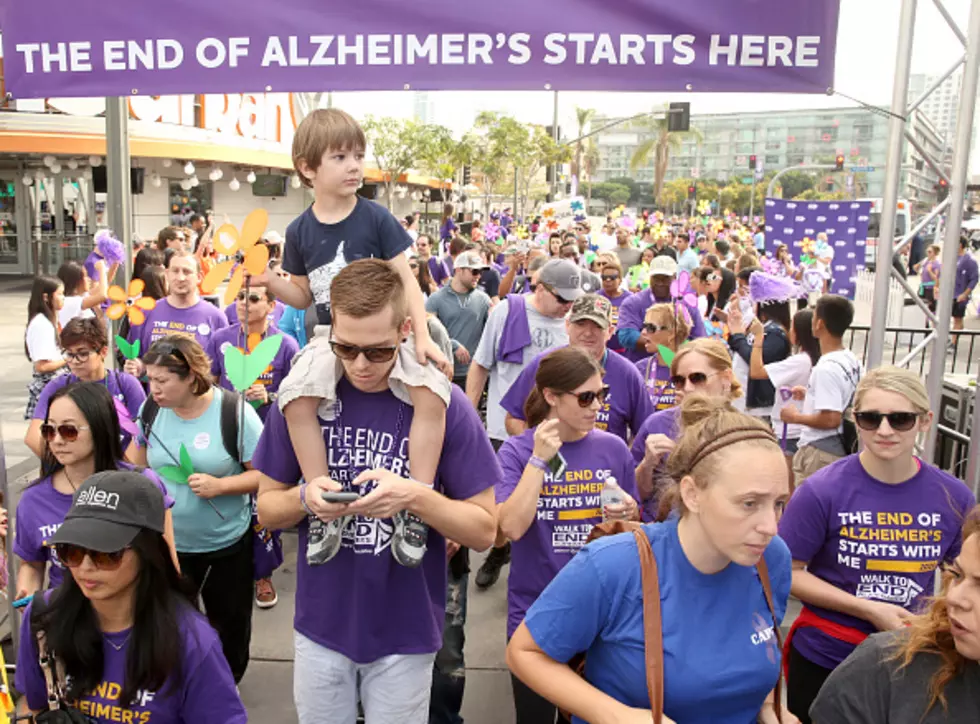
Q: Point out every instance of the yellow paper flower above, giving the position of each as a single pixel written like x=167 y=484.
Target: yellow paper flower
x=131 y=304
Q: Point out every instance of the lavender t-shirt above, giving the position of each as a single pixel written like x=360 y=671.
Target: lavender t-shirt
x=626 y=405
x=656 y=382
x=274 y=373
x=568 y=509
x=362 y=603
x=871 y=539
x=205 y=692
x=199 y=321
x=41 y=511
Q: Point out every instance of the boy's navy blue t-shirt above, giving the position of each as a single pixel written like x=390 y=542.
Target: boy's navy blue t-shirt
x=319 y=251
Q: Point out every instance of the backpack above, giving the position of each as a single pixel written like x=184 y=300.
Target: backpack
x=848 y=434
x=229 y=421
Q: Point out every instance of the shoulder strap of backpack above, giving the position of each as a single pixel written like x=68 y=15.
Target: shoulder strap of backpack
x=763 y=570
x=229 y=422
x=147 y=415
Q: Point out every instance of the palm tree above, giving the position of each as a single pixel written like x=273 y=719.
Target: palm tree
x=590 y=162
x=583 y=117
x=661 y=143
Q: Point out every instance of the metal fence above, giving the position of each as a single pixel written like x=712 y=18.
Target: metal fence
x=961 y=355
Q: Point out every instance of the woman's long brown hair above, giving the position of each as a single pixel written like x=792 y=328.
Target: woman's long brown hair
x=930 y=633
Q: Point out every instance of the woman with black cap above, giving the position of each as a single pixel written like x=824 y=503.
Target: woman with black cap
x=122 y=627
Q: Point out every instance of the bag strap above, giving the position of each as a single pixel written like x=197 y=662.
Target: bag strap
x=229 y=423
x=763 y=570
x=147 y=415
x=53 y=676
x=653 y=637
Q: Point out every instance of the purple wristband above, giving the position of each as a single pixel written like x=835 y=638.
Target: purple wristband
x=539 y=463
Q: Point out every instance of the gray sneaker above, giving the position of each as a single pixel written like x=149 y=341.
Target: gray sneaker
x=323 y=539
x=408 y=540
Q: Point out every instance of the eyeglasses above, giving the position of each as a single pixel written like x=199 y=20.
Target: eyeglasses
x=253 y=298
x=696 y=378
x=351 y=352
x=80 y=357
x=587 y=398
x=610 y=278
x=72 y=556
x=68 y=433
x=898 y=421
x=654 y=328
x=558 y=298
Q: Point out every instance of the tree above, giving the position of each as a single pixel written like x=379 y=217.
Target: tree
x=398 y=145
x=590 y=162
x=660 y=144
x=583 y=117
x=535 y=150
x=439 y=154
x=795 y=183
x=489 y=152
x=607 y=189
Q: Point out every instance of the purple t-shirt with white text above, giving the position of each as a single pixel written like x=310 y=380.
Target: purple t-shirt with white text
x=40 y=512
x=568 y=508
x=205 y=693
x=656 y=381
x=199 y=321
x=874 y=540
x=362 y=603
x=626 y=405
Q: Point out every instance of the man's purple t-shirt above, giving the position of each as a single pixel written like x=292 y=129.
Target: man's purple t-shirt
x=274 y=373
x=122 y=386
x=274 y=315
x=656 y=381
x=967 y=274
x=362 y=603
x=568 y=508
x=199 y=321
x=205 y=693
x=665 y=422
x=40 y=512
x=617 y=302
x=438 y=270
x=871 y=539
x=634 y=310
x=626 y=405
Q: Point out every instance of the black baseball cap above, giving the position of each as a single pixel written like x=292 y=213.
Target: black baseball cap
x=109 y=509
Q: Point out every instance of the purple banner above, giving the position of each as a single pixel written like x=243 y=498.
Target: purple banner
x=111 y=48
x=797 y=223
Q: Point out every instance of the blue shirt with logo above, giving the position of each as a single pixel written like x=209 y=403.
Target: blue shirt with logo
x=721 y=656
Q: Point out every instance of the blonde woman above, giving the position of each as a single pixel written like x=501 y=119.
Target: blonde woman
x=662 y=327
x=702 y=365
x=867 y=533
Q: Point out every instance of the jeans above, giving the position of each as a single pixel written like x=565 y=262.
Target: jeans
x=326 y=686
x=449 y=672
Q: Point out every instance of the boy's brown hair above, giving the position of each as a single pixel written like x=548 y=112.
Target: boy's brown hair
x=324 y=130
x=365 y=287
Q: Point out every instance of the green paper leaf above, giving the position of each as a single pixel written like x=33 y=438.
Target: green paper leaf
x=186 y=466
x=174 y=474
x=666 y=355
x=242 y=370
x=129 y=350
x=256 y=404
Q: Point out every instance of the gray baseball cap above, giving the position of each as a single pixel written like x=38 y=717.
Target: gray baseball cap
x=562 y=276
x=469 y=260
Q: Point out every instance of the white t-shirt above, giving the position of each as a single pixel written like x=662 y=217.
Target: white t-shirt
x=72 y=309
x=794 y=371
x=42 y=340
x=831 y=387
x=825 y=251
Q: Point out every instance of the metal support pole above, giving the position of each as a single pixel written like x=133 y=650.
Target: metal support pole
x=554 y=135
x=515 y=192
x=957 y=194
x=118 y=197
x=9 y=549
x=930 y=161
x=893 y=176
x=935 y=84
x=973 y=467
x=949 y=20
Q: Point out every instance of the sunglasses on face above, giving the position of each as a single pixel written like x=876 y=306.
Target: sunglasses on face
x=587 y=398
x=68 y=433
x=78 y=357
x=253 y=298
x=610 y=278
x=72 y=556
x=696 y=378
x=558 y=298
x=351 y=352
x=654 y=328
x=898 y=421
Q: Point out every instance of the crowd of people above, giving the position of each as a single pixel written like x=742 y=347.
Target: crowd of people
x=511 y=388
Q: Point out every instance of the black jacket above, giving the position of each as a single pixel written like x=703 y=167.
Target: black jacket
x=775 y=348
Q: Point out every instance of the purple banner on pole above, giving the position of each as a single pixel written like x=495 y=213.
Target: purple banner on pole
x=797 y=224
x=112 y=48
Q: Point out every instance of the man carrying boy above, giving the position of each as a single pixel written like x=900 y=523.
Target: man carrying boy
x=829 y=393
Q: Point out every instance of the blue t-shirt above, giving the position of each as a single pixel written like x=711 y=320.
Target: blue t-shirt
x=319 y=251
x=721 y=656
x=203 y=526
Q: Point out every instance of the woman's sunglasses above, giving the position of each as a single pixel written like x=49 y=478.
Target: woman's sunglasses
x=351 y=352
x=72 y=556
x=899 y=421
x=587 y=398
x=696 y=378
x=253 y=298
x=168 y=349
x=610 y=277
x=68 y=433
x=654 y=328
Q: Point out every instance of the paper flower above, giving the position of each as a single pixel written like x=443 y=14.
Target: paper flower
x=132 y=304
x=241 y=369
x=130 y=350
x=666 y=354
x=179 y=473
x=577 y=205
x=245 y=253
x=126 y=423
x=808 y=245
x=680 y=290
x=111 y=249
x=522 y=232
x=704 y=207
x=548 y=213
x=552 y=225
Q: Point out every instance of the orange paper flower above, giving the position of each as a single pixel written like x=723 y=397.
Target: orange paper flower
x=131 y=303
x=228 y=241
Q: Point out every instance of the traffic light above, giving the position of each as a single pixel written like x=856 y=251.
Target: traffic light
x=692 y=192
x=467 y=176
x=942 y=190
x=752 y=163
x=679 y=117
x=839 y=162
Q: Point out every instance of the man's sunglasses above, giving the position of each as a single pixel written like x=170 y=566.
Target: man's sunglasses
x=351 y=352
x=610 y=278
x=587 y=398
x=69 y=433
x=899 y=421
x=654 y=328
x=253 y=298
x=696 y=378
x=558 y=298
x=72 y=556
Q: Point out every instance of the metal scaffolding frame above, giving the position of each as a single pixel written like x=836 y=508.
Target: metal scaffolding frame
x=957 y=179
